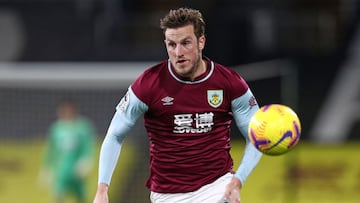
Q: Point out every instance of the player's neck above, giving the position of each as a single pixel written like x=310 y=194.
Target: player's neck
x=201 y=69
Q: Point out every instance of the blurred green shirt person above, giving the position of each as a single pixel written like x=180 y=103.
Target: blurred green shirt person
x=69 y=154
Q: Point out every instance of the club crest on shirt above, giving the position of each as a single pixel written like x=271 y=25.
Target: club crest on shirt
x=215 y=97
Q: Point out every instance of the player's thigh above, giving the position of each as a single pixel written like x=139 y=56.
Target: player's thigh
x=77 y=187
x=167 y=198
x=213 y=192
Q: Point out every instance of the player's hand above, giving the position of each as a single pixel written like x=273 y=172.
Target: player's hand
x=232 y=192
x=45 y=177
x=101 y=194
x=83 y=167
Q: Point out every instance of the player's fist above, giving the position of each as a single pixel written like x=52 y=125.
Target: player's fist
x=232 y=192
x=101 y=194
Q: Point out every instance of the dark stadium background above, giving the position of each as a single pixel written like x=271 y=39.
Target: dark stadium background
x=112 y=31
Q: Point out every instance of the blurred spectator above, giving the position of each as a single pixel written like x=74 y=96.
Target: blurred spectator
x=69 y=155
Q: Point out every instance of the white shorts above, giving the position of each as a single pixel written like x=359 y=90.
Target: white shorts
x=210 y=193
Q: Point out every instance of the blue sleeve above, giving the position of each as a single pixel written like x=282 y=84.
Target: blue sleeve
x=127 y=113
x=243 y=108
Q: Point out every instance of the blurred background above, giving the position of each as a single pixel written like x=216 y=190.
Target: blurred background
x=302 y=53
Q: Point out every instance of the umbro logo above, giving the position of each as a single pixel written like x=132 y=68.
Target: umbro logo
x=167 y=101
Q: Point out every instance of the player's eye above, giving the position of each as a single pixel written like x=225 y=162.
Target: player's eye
x=171 y=44
x=186 y=42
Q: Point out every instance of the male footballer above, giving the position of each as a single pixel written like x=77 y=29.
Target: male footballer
x=188 y=102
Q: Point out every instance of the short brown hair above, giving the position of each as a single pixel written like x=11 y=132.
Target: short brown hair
x=182 y=17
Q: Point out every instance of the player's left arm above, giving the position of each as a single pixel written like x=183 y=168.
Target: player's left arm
x=243 y=109
x=47 y=168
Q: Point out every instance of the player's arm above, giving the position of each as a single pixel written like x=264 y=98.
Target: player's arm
x=243 y=109
x=127 y=112
x=46 y=173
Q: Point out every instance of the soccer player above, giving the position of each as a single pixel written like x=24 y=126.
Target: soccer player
x=188 y=103
x=69 y=154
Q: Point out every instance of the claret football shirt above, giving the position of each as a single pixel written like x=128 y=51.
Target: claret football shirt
x=188 y=124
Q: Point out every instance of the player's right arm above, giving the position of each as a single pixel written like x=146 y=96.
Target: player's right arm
x=127 y=112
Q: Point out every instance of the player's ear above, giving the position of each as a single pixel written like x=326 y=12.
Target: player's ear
x=165 y=43
x=202 y=42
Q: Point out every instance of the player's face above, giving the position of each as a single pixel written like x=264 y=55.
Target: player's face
x=66 y=112
x=185 y=51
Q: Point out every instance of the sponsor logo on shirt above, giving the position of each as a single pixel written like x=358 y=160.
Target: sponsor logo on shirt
x=252 y=102
x=215 y=97
x=124 y=102
x=193 y=123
